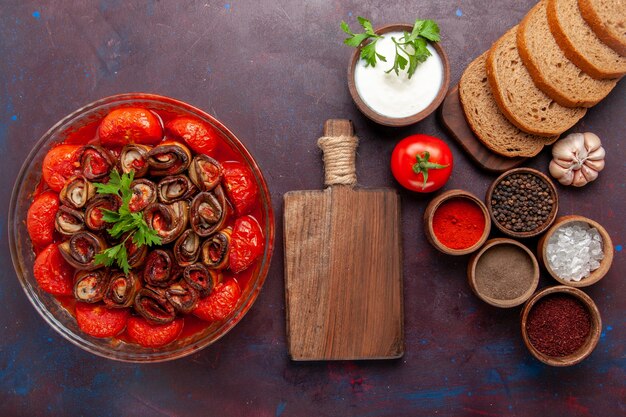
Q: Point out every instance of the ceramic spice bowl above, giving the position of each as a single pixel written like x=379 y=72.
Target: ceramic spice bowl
x=456 y=222
x=405 y=120
x=522 y=202
x=606 y=244
x=503 y=273
x=560 y=325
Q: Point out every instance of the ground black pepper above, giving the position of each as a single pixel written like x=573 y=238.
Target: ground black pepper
x=504 y=272
x=558 y=325
x=521 y=202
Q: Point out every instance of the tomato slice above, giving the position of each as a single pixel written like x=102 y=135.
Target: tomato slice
x=130 y=125
x=200 y=137
x=247 y=243
x=53 y=274
x=153 y=335
x=220 y=303
x=240 y=186
x=41 y=217
x=59 y=164
x=99 y=321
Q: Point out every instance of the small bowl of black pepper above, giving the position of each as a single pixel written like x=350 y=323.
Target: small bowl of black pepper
x=522 y=202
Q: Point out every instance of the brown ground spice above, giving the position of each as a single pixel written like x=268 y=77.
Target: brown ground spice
x=558 y=325
x=504 y=272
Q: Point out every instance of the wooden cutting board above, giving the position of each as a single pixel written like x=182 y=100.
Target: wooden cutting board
x=343 y=263
x=452 y=117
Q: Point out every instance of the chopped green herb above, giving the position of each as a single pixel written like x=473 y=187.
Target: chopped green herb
x=123 y=222
x=411 y=48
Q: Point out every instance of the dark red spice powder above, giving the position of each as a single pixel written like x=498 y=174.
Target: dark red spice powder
x=558 y=325
x=458 y=223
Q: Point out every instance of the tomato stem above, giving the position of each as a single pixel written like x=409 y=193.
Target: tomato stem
x=423 y=165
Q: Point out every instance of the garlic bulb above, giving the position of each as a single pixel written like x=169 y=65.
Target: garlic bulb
x=577 y=159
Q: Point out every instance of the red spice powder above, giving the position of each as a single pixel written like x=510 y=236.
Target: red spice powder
x=458 y=223
x=558 y=325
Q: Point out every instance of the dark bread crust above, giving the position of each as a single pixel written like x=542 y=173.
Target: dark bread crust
x=607 y=32
x=487 y=122
x=550 y=69
x=526 y=106
x=590 y=54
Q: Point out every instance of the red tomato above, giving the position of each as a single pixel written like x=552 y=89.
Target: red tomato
x=246 y=243
x=220 y=303
x=41 y=217
x=153 y=335
x=130 y=125
x=98 y=321
x=53 y=274
x=240 y=186
x=421 y=163
x=59 y=165
x=200 y=137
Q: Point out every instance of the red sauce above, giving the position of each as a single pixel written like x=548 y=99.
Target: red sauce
x=88 y=134
x=96 y=217
x=97 y=163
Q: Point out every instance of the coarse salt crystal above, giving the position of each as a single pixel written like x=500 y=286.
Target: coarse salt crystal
x=574 y=251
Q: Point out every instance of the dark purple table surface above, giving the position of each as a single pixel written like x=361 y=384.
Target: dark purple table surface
x=273 y=71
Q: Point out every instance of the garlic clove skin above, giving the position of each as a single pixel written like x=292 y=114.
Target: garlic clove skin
x=591 y=141
x=579 y=179
x=563 y=174
x=564 y=163
x=597 y=154
x=569 y=145
x=595 y=165
x=588 y=173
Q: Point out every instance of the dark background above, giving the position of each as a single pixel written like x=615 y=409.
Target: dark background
x=273 y=71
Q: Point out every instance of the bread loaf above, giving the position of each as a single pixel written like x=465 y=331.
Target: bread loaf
x=487 y=121
x=550 y=69
x=580 y=44
x=607 y=19
x=519 y=99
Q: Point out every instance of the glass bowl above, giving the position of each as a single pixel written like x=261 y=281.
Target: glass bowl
x=23 y=256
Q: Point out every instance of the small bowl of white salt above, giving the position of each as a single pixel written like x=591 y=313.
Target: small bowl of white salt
x=576 y=251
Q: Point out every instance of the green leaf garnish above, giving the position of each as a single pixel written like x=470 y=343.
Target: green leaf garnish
x=430 y=30
x=124 y=222
x=411 y=49
x=368 y=52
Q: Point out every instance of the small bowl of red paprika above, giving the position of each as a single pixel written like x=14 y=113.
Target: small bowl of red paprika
x=561 y=325
x=457 y=222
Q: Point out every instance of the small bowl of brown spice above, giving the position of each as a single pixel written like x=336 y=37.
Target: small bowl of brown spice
x=503 y=273
x=522 y=202
x=561 y=325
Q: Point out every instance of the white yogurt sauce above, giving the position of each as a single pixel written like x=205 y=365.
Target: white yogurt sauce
x=398 y=96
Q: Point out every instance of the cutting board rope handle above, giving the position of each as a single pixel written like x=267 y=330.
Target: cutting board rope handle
x=339 y=153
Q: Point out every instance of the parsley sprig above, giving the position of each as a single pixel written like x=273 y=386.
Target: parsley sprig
x=368 y=52
x=125 y=222
x=410 y=49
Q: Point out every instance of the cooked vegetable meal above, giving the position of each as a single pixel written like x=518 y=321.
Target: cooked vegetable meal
x=145 y=226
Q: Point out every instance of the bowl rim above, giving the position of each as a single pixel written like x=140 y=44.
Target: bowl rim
x=607 y=247
x=154 y=356
x=471 y=273
x=594 y=333
x=553 y=192
x=399 y=121
x=432 y=208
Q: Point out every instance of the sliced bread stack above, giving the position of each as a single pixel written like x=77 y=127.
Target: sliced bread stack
x=540 y=77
